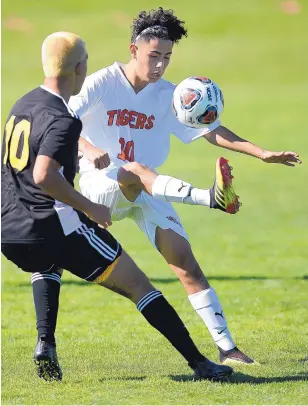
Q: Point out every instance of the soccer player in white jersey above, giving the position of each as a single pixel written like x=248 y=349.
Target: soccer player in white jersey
x=127 y=121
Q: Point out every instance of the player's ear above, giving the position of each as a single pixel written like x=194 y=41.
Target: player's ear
x=133 y=51
x=78 y=68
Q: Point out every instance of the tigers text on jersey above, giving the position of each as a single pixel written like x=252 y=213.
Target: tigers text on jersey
x=40 y=123
x=129 y=126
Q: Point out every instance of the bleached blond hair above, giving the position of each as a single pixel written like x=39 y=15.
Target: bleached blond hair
x=61 y=51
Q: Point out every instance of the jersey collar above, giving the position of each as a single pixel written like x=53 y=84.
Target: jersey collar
x=60 y=97
x=119 y=66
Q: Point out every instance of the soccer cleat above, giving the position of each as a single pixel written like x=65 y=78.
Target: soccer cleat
x=46 y=361
x=234 y=356
x=214 y=372
x=223 y=196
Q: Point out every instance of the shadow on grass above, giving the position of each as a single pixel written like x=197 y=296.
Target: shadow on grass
x=231 y=278
x=239 y=378
x=123 y=378
x=63 y=282
x=174 y=279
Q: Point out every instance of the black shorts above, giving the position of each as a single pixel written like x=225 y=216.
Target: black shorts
x=87 y=252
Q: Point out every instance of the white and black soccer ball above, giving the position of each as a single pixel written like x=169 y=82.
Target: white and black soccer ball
x=197 y=102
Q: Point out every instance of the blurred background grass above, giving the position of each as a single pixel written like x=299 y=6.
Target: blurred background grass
x=256 y=50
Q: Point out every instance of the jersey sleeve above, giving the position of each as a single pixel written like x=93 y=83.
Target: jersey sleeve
x=188 y=134
x=61 y=139
x=91 y=93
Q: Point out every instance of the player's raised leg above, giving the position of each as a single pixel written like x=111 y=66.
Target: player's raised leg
x=177 y=252
x=134 y=177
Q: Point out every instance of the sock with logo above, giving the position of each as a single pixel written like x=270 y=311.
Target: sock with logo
x=170 y=189
x=46 y=291
x=162 y=316
x=207 y=305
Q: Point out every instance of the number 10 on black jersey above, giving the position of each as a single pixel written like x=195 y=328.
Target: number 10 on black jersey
x=16 y=139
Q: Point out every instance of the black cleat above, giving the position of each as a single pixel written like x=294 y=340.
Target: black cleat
x=214 y=372
x=234 y=356
x=46 y=361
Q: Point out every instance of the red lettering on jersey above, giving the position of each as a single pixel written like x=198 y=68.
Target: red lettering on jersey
x=111 y=114
x=118 y=117
x=124 y=117
x=141 y=119
x=121 y=155
x=127 y=150
x=149 y=123
x=132 y=117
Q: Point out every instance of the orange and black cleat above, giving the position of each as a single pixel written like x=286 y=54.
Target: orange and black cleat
x=223 y=196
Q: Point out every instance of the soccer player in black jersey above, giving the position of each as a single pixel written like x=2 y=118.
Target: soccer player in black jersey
x=47 y=225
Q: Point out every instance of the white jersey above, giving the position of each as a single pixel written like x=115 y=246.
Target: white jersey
x=129 y=126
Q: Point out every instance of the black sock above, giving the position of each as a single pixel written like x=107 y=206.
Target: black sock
x=162 y=316
x=46 y=291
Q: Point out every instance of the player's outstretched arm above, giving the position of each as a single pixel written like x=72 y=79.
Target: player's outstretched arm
x=46 y=175
x=225 y=138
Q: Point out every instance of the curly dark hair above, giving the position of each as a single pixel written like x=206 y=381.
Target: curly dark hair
x=165 y=25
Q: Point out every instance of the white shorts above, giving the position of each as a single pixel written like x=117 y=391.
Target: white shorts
x=101 y=186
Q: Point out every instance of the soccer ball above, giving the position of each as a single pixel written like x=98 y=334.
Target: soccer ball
x=197 y=102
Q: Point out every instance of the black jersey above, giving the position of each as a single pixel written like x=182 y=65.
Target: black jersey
x=40 y=123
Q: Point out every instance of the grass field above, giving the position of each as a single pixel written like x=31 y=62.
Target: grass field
x=257 y=260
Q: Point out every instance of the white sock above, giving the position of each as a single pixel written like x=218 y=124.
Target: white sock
x=200 y=197
x=176 y=190
x=206 y=304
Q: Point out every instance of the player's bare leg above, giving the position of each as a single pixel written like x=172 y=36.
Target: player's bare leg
x=134 y=178
x=125 y=278
x=178 y=254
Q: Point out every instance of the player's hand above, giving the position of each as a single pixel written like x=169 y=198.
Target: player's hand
x=97 y=156
x=283 y=157
x=100 y=214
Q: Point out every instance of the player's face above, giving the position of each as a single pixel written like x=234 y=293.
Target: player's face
x=152 y=59
x=80 y=74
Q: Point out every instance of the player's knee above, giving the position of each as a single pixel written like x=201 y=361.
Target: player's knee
x=134 y=167
x=138 y=286
x=129 y=180
x=125 y=278
x=127 y=175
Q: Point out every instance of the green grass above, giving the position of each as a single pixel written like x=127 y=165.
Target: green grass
x=257 y=260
